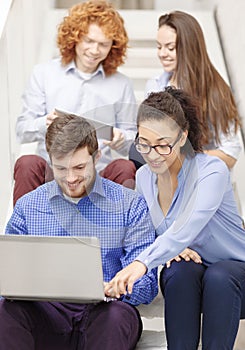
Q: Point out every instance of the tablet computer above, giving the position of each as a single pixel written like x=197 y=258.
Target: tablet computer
x=103 y=131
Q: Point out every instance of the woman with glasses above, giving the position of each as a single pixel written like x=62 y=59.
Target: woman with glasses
x=200 y=235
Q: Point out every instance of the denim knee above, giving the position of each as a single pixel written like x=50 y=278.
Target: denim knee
x=220 y=276
x=184 y=273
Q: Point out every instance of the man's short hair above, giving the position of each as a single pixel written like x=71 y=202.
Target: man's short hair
x=69 y=133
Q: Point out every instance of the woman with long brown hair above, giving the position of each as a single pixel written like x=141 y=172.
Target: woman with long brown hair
x=183 y=54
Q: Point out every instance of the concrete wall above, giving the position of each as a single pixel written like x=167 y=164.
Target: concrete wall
x=21 y=30
x=119 y=4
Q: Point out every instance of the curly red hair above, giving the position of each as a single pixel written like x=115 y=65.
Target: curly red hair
x=75 y=25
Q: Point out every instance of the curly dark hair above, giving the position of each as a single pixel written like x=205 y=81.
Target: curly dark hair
x=180 y=107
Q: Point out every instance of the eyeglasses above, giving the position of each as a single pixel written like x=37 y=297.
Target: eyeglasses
x=163 y=150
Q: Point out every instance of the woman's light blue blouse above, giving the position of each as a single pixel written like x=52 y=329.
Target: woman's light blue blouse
x=203 y=214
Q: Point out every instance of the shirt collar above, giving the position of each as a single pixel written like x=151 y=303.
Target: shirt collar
x=72 y=66
x=100 y=69
x=55 y=190
x=98 y=186
x=163 y=79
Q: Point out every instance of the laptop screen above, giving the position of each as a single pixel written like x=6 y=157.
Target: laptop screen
x=61 y=268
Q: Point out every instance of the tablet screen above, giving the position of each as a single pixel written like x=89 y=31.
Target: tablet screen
x=103 y=131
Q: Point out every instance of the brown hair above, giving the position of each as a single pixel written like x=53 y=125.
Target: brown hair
x=76 y=24
x=69 y=133
x=196 y=75
x=178 y=106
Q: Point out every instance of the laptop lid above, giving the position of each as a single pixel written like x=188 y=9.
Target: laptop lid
x=58 y=268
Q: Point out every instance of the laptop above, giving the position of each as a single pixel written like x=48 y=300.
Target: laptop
x=58 y=268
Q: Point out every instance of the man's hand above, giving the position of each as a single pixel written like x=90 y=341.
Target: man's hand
x=187 y=254
x=117 y=141
x=50 y=118
x=124 y=280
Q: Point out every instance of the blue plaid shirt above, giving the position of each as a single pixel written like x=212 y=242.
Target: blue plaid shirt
x=118 y=216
